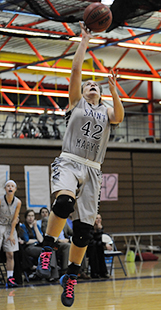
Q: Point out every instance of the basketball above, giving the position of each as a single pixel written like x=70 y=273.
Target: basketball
x=97 y=17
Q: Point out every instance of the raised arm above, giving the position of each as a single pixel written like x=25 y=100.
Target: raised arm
x=116 y=114
x=76 y=75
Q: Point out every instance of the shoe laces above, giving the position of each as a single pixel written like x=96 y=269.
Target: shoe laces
x=70 y=287
x=11 y=280
x=45 y=259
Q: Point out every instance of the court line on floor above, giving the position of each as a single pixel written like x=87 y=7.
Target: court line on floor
x=88 y=281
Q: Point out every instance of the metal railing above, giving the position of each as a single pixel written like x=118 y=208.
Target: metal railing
x=20 y=125
x=136 y=127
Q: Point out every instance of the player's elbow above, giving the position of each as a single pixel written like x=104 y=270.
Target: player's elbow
x=117 y=119
x=120 y=116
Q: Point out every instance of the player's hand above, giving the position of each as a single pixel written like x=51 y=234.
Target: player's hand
x=11 y=239
x=112 y=81
x=85 y=31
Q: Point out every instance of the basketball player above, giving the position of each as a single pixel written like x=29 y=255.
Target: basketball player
x=76 y=175
x=9 y=211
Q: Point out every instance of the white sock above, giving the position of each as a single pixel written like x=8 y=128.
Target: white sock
x=69 y=263
x=9 y=273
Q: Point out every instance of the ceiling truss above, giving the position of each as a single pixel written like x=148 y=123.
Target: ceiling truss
x=26 y=31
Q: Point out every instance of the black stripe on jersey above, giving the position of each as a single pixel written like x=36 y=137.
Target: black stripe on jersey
x=67 y=117
x=7 y=201
x=91 y=105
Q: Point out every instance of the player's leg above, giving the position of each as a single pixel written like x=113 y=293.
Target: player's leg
x=81 y=237
x=55 y=225
x=9 y=250
x=81 y=230
x=62 y=207
x=76 y=254
x=9 y=261
x=61 y=178
x=10 y=266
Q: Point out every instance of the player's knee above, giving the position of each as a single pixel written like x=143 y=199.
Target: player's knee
x=63 y=206
x=81 y=233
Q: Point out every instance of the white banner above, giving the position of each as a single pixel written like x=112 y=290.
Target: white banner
x=109 y=188
x=4 y=176
x=37 y=187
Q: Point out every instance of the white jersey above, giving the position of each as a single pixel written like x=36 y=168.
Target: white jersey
x=7 y=211
x=87 y=131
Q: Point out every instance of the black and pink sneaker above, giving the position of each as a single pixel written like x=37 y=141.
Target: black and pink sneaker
x=11 y=282
x=43 y=268
x=68 y=282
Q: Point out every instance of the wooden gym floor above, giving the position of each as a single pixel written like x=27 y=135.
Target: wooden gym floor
x=141 y=289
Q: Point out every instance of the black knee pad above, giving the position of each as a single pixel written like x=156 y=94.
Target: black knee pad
x=63 y=206
x=81 y=233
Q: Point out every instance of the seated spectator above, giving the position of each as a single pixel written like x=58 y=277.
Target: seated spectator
x=95 y=251
x=23 y=262
x=32 y=235
x=9 y=210
x=44 y=212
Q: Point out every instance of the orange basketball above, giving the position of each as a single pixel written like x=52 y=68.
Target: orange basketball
x=97 y=17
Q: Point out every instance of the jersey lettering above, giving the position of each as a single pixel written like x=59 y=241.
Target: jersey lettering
x=86 y=129
x=86 y=145
x=96 y=115
x=95 y=134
